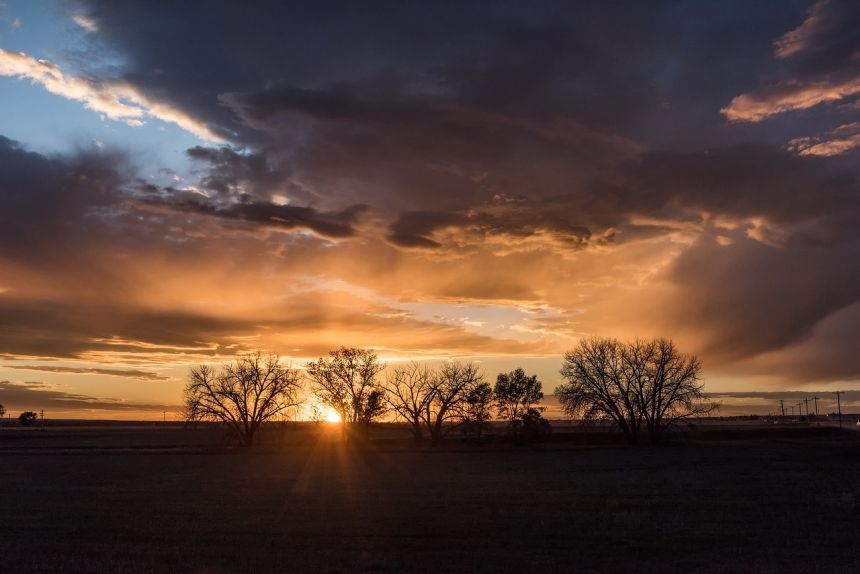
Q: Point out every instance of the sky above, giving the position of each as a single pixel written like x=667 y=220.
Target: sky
x=490 y=181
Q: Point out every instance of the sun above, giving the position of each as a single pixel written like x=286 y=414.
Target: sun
x=332 y=417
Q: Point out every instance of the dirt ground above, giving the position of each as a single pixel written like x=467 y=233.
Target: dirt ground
x=150 y=499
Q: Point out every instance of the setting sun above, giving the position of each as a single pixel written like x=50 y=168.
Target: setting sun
x=332 y=417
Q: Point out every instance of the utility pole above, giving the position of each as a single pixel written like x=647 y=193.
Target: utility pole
x=792 y=411
x=800 y=409
x=839 y=405
x=782 y=407
x=164 y=413
x=815 y=399
x=806 y=400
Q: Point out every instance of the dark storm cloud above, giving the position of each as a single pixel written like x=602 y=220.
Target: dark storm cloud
x=817 y=72
x=826 y=41
x=789 y=224
x=745 y=181
x=228 y=170
x=286 y=217
x=750 y=297
x=540 y=59
x=437 y=109
x=515 y=223
x=42 y=198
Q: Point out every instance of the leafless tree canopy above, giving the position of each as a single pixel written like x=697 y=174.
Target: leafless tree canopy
x=638 y=384
x=431 y=399
x=346 y=380
x=243 y=395
x=452 y=384
x=409 y=389
x=598 y=387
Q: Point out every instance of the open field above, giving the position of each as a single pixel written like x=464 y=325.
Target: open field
x=150 y=499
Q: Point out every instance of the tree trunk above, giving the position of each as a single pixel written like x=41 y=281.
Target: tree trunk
x=248 y=438
x=416 y=432
x=435 y=435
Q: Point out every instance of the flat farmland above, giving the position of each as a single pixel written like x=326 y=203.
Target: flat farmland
x=148 y=499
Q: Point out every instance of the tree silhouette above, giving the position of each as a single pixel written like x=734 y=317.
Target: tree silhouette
x=670 y=386
x=2 y=411
x=409 y=388
x=534 y=425
x=640 y=383
x=28 y=418
x=374 y=407
x=450 y=387
x=245 y=394
x=345 y=380
x=476 y=408
x=597 y=386
x=431 y=399
x=515 y=393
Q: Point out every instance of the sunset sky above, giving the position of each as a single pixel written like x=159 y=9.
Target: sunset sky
x=184 y=181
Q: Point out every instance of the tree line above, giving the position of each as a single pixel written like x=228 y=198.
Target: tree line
x=637 y=385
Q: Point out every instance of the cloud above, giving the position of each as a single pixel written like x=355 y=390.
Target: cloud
x=86 y=23
x=820 y=19
x=118 y=100
x=125 y=373
x=749 y=314
x=506 y=227
x=41 y=396
x=788 y=96
x=837 y=142
x=271 y=215
x=819 y=66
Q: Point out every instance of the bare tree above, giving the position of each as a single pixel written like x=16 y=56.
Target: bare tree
x=515 y=394
x=2 y=411
x=449 y=389
x=409 y=389
x=245 y=394
x=671 y=389
x=597 y=386
x=346 y=382
x=431 y=399
x=635 y=384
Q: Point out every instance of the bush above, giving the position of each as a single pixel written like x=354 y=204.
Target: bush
x=28 y=418
x=535 y=427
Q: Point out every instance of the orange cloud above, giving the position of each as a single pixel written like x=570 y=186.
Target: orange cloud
x=787 y=97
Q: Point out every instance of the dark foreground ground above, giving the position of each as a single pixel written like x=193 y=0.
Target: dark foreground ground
x=122 y=500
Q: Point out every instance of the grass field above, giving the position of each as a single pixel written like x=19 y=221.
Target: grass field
x=162 y=500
